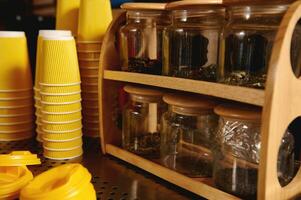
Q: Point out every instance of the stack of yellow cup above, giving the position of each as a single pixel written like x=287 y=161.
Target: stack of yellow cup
x=90 y=36
x=66 y=182
x=60 y=94
x=37 y=97
x=16 y=102
x=14 y=174
x=67 y=15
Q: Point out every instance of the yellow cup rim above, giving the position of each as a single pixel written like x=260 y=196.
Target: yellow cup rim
x=14 y=107
x=68 y=131
x=66 y=140
x=65 y=158
x=59 y=85
x=15 y=90
x=67 y=149
x=60 y=103
x=61 y=113
x=62 y=122
x=15 y=98
x=17 y=131
x=60 y=94
x=15 y=123
x=16 y=115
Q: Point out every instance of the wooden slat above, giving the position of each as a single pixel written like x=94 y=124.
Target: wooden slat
x=197 y=186
x=241 y=94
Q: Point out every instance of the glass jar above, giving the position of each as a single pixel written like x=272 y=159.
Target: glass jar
x=191 y=42
x=187 y=130
x=140 y=40
x=237 y=152
x=141 y=117
x=247 y=43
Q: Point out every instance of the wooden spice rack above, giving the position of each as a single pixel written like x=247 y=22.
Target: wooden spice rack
x=281 y=102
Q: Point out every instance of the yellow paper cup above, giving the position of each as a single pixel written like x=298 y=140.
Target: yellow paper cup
x=62 y=117
x=39 y=55
x=90 y=96
x=90 y=104
x=89 y=80
x=101 y=13
x=16 y=119
x=15 y=71
x=89 y=72
x=17 y=136
x=15 y=112
x=17 y=127
x=91 y=111
x=49 y=185
x=62 y=155
x=88 y=55
x=61 y=98
x=88 y=63
x=63 y=145
x=60 y=64
x=13 y=179
x=72 y=88
x=67 y=15
x=62 y=127
x=16 y=95
x=59 y=137
x=61 y=108
x=94 y=133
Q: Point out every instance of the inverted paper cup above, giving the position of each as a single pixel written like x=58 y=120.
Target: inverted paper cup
x=61 y=155
x=21 y=94
x=72 y=88
x=89 y=80
x=90 y=96
x=12 y=103
x=67 y=15
x=62 y=127
x=8 y=137
x=16 y=119
x=63 y=145
x=61 y=98
x=101 y=13
x=14 y=112
x=88 y=63
x=61 y=108
x=60 y=64
x=16 y=128
x=39 y=55
x=66 y=136
x=15 y=71
x=89 y=72
x=91 y=111
x=88 y=55
x=91 y=133
x=63 y=117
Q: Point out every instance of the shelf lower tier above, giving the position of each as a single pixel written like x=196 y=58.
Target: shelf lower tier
x=236 y=93
x=200 y=186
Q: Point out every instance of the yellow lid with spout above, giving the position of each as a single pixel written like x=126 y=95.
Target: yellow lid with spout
x=66 y=182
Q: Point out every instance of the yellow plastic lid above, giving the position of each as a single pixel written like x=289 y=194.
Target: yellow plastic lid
x=19 y=158
x=12 y=180
x=65 y=182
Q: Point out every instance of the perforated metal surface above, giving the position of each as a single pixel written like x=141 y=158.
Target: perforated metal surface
x=113 y=179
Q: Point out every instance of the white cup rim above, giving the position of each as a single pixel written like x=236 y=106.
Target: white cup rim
x=57 y=37
x=60 y=94
x=59 y=84
x=66 y=149
x=44 y=33
x=12 y=34
x=59 y=104
x=61 y=122
x=66 y=158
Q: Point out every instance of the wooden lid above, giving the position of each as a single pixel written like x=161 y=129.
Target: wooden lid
x=189 y=101
x=143 y=6
x=191 y=4
x=143 y=91
x=239 y=111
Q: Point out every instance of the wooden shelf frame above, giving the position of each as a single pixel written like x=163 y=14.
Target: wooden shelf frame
x=280 y=101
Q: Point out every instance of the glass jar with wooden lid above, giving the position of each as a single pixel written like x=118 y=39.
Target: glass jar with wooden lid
x=247 y=43
x=187 y=130
x=191 y=42
x=237 y=151
x=141 y=117
x=140 y=39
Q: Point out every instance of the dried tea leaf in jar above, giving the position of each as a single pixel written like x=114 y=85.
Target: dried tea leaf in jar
x=141 y=118
x=187 y=130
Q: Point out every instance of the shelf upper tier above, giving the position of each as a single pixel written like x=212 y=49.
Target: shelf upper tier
x=241 y=94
